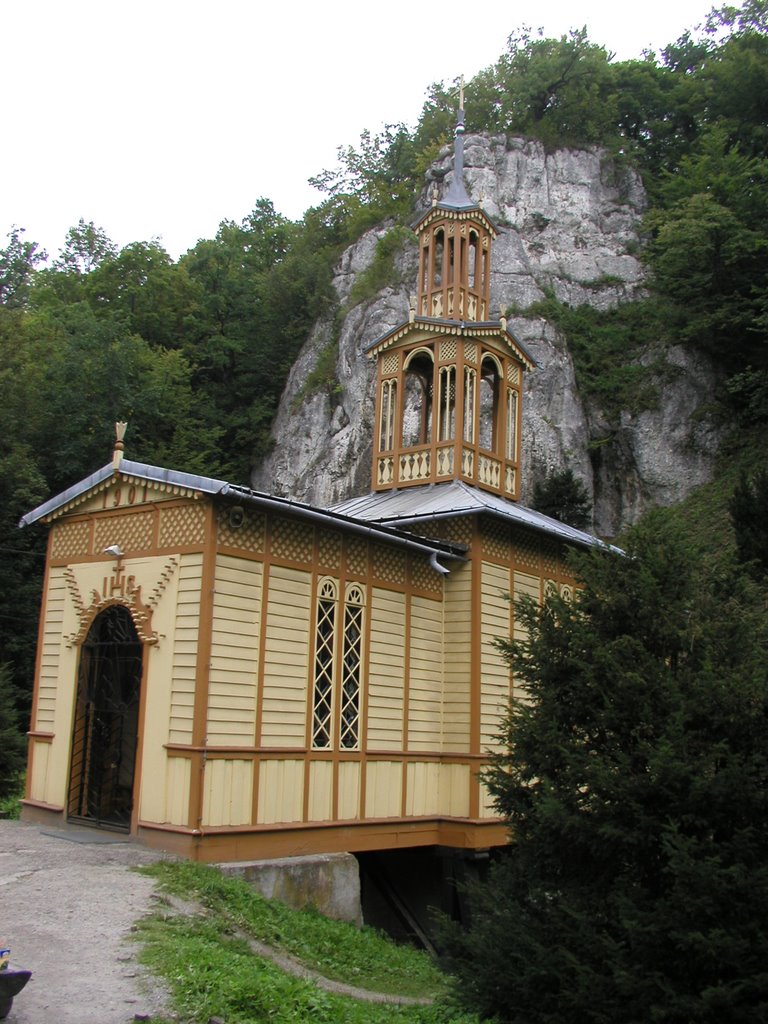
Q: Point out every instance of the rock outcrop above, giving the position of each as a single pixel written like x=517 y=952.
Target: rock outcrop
x=568 y=224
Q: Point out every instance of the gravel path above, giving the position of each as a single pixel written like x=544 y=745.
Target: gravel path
x=68 y=900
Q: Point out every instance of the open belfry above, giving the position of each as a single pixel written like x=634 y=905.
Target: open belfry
x=233 y=676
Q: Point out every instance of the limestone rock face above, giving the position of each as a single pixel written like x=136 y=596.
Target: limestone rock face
x=568 y=223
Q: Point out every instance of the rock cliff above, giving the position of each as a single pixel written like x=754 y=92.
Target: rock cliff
x=568 y=223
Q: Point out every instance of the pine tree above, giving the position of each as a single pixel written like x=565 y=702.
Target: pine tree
x=634 y=779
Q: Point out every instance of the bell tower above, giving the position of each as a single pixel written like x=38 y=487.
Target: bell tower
x=449 y=381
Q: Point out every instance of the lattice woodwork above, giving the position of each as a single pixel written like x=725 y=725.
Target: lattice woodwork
x=495 y=540
x=248 y=537
x=329 y=549
x=526 y=551
x=357 y=557
x=424 y=577
x=513 y=373
x=292 y=540
x=182 y=525
x=550 y=558
x=133 y=532
x=470 y=352
x=448 y=349
x=390 y=364
x=325 y=629
x=71 y=540
x=389 y=564
x=351 y=670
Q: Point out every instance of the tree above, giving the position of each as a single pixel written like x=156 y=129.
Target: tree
x=84 y=249
x=563 y=497
x=12 y=742
x=634 y=778
x=17 y=265
x=748 y=507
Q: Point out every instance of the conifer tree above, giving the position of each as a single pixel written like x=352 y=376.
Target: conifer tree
x=634 y=778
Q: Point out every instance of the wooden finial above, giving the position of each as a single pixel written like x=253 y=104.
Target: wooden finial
x=117 y=455
x=461 y=93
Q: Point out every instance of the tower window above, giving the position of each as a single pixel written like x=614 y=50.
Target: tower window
x=490 y=376
x=417 y=399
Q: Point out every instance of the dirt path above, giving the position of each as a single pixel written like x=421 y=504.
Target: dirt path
x=68 y=900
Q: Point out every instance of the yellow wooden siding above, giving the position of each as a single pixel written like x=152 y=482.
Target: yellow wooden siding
x=383 y=789
x=386 y=669
x=422 y=789
x=38 y=789
x=228 y=792
x=185 y=642
x=53 y=640
x=455 y=782
x=286 y=658
x=349 y=790
x=320 y=791
x=178 y=776
x=525 y=585
x=425 y=689
x=494 y=671
x=487 y=810
x=281 y=792
x=458 y=651
x=234 y=652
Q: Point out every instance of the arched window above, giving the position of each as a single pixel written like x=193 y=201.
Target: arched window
x=417 y=399
x=388 y=413
x=490 y=376
x=472 y=259
x=338 y=666
x=447 y=403
x=325 y=643
x=470 y=385
x=511 y=424
x=437 y=258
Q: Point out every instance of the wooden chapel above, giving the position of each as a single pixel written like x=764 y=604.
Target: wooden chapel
x=230 y=676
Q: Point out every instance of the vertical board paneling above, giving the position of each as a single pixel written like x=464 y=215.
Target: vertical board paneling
x=234 y=652
x=458 y=652
x=494 y=671
x=228 y=792
x=425 y=685
x=422 y=789
x=454 y=790
x=286 y=658
x=281 y=791
x=383 y=789
x=349 y=790
x=185 y=641
x=386 y=671
x=177 y=780
x=320 y=791
x=39 y=782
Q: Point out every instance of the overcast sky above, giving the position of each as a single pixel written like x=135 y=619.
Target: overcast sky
x=160 y=118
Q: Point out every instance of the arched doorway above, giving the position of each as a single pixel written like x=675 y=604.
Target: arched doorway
x=106 y=725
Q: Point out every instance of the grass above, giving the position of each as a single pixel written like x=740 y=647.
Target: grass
x=10 y=804
x=211 y=971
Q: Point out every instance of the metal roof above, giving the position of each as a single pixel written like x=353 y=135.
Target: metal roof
x=178 y=482
x=413 y=506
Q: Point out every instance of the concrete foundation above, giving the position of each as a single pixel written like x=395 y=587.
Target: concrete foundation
x=328 y=882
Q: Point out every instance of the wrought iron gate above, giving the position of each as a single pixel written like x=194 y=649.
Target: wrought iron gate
x=106 y=722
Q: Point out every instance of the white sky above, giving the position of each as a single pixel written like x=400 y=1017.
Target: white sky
x=160 y=118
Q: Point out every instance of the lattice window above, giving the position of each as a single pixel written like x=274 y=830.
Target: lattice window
x=337 y=666
x=351 y=669
x=388 y=415
x=325 y=641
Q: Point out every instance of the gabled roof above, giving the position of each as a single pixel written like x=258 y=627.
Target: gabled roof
x=416 y=506
x=176 y=483
x=467 y=328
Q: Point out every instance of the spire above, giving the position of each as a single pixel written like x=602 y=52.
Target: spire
x=117 y=455
x=457 y=197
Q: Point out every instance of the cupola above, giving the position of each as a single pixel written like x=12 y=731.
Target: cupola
x=449 y=382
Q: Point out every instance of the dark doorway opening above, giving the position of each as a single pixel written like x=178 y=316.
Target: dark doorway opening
x=106 y=728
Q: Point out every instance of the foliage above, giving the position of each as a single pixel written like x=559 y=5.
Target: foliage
x=18 y=262
x=212 y=973
x=12 y=745
x=748 y=507
x=635 y=784
x=563 y=497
